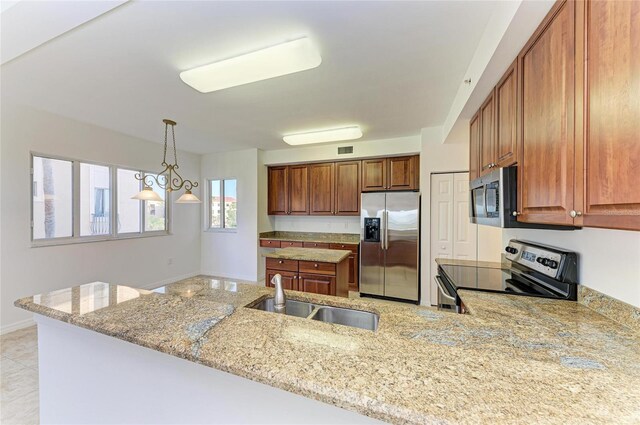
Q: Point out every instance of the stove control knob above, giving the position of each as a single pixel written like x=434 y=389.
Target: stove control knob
x=546 y=262
x=540 y=260
x=553 y=264
x=511 y=250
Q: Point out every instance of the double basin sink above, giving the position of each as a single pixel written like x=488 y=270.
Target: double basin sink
x=323 y=313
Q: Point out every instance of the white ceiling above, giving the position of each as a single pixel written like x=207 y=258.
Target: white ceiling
x=391 y=67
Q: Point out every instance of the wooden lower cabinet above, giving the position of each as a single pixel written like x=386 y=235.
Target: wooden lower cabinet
x=310 y=276
x=318 y=284
x=354 y=264
x=289 y=279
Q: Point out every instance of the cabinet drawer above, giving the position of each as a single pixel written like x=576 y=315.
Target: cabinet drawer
x=316 y=245
x=317 y=267
x=346 y=246
x=279 y=264
x=285 y=244
x=269 y=244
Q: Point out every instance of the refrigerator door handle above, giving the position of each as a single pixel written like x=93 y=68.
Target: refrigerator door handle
x=386 y=229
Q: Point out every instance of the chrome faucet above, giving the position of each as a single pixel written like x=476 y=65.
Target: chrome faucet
x=279 y=299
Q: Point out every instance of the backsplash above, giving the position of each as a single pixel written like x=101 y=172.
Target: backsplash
x=317 y=224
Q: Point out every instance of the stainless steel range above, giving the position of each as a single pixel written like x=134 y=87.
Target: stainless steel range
x=536 y=270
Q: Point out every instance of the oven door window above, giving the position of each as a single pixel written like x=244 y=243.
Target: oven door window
x=492 y=199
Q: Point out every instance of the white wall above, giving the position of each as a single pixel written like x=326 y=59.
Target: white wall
x=437 y=157
x=329 y=151
x=609 y=260
x=318 y=224
x=135 y=262
x=234 y=253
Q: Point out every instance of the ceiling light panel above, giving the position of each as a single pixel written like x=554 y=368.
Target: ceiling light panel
x=275 y=61
x=324 y=136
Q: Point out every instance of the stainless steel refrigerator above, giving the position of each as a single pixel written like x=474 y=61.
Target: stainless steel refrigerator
x=390 y=245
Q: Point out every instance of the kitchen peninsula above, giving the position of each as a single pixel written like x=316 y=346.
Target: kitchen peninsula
x=194 y=351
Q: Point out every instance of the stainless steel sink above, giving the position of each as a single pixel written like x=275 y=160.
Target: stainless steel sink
x=347 y=317
x=324 y=313
x=292 y=307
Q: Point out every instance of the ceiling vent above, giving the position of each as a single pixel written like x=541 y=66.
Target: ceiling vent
x=343 y=150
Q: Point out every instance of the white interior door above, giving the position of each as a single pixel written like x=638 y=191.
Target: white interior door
x=465 y=233
x=452 y=233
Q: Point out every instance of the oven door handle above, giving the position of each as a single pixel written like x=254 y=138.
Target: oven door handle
x=443 y=292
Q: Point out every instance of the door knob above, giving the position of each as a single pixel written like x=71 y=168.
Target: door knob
x=575 y=214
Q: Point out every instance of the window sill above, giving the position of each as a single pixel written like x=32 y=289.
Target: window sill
x=92 y=239
x=221 y=230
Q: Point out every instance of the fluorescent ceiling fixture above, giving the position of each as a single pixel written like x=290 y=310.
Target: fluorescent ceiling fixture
x=323 y=136
x=275 y=61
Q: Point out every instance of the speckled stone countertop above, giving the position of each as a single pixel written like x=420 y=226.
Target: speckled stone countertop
x=512 y=360
x=350 y=238
x=309 y=254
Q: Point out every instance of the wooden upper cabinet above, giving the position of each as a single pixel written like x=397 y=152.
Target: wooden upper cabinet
x=505 y=140
x=278 y=191
x=402 y=173
x=322 y=178
x=347 y=191
x=608 y=154
x=547 y=141
x=298 y=189
x=487 y=134
x=474 y=147
x=374 y=174
x=396 y=173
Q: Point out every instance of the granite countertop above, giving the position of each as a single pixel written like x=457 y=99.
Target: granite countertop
x=349 y=238
x=309 y=254
x=512 y=360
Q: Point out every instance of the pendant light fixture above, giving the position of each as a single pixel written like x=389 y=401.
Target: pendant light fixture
x=168 y=179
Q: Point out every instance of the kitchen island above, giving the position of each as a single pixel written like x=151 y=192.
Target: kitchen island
x=321 y=271
x=511 y=360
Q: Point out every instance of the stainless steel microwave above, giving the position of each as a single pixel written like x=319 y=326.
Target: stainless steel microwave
x=494 y=199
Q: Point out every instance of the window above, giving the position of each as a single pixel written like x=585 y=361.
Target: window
x=154 y=211
x=95 y=189
x=75 y=201
x=223 y=204
x=129 y=210
x=52 y=215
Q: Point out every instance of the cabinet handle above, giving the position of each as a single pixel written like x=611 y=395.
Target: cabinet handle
x=280 y=262
x=315 y=265
x=575 y=214
x=516 y=213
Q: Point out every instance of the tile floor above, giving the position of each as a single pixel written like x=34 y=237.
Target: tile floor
x=19 y=370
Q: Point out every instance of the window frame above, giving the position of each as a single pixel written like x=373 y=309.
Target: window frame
x=209 y=205
x=75 y=210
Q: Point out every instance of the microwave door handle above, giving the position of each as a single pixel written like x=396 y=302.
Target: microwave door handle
x=484 y=195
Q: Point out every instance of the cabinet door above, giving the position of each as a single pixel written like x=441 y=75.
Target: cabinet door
x=609 y=160
x=402 y=173
x=347 y=191
x=474 y=147
x=325 y=285
x=322 y=178
x=278 y=191
x=374 y=174
x=505 y=131
x=487 y=133
x=298 y=190
x=289 y=279
x=546 y=149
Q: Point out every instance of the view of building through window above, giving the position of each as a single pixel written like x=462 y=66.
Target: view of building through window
x=223 y=213
x=95 y=200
